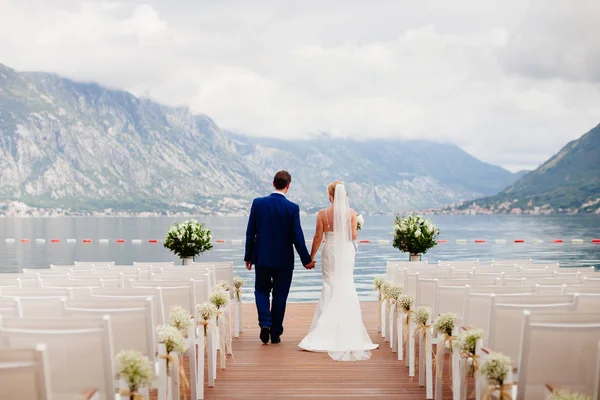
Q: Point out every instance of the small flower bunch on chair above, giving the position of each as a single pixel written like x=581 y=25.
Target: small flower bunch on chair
x=180 y=319
x=136 y=370
x=495 y=369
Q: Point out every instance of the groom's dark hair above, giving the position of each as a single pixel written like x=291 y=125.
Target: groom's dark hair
x=281 y=180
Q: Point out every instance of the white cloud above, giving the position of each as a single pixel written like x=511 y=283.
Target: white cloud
x=509 y=81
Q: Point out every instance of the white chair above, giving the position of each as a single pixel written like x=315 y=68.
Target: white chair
x=519 y=261
x=583 y=289
x=80 y=358
x=159 y=264
x=478 y=306
x=502 y=289
x=560 y=354
x=36 y=292
x=505 y=317
x=120 y=295
x=44 y=283
x=132 y=327
x=94 y=264
x=597 y=385
x=393 y=266
x=25 y=373
x=40 y=307
x=170 y=296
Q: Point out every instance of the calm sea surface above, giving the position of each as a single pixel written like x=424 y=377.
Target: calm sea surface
x=371 y=258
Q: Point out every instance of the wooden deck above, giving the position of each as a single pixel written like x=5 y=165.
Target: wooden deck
x=283 y=371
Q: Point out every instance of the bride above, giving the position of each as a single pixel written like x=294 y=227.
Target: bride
x=337 y=327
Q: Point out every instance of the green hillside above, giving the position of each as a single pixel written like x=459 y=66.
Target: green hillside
x=569 y=181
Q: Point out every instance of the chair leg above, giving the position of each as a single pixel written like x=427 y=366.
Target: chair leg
x=455 y=375
x=411 y=351
x=429 y=367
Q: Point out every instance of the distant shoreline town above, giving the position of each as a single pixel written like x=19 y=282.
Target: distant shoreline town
x=19 y=209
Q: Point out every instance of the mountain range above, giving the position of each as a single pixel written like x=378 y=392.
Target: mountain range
x=568 y=182
x=78 y=147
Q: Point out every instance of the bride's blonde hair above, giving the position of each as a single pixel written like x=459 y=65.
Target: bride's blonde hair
x=331 y=188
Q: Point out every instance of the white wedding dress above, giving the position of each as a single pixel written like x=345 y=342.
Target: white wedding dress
x=337 y=327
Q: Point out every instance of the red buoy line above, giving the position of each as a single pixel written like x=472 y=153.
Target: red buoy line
x=363 y=241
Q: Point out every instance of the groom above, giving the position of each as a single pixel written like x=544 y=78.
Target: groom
x=273 y=232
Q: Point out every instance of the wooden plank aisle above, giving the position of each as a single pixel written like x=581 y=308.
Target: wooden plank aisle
x=283 y=371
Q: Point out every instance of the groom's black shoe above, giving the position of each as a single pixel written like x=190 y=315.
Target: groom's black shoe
x=264 y=334
x=275 y=339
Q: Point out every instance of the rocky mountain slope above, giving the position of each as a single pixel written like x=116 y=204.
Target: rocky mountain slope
x=567 y=182
x=80 y=147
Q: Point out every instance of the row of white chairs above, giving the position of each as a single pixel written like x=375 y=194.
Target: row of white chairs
x=134 y=311
x=482 y=303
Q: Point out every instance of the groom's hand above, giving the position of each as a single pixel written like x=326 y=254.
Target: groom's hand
x=310 y=265
x=249 y=265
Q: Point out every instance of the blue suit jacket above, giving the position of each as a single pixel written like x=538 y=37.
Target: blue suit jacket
x=273 y=231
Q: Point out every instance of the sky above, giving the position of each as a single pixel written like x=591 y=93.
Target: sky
x=509 y=81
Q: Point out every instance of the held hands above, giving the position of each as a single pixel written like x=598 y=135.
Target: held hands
x=310 y=265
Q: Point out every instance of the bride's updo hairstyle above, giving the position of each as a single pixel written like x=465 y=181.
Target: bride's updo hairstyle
x=331 y=188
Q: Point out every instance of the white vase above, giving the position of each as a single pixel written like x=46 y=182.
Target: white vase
x=415 y=257
x=188 y=260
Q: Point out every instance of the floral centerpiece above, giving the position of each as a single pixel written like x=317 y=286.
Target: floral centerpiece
x=136 y=370
x=495 y=369
x=415 y=235
x=180 y=318
x=188 y=239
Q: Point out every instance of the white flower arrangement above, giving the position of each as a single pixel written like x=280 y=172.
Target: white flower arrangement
x=180 y=318
x=445 y=323
x=385 y=287
x=188 y=239
x=219 y=298
x=422 y=315
x=393 y=291
x=360 y=220
x=414 y=234
x=467 y=341
x=224 y=286
x=135 y=369
x=172 y=338
x=496 y=367
x=238 y=283
x=565 y=395
x=378 y=281
x=206 y=311
x=406 y=302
